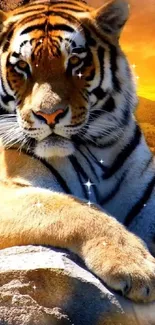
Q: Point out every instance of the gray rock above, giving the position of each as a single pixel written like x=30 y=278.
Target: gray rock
x=44 y=286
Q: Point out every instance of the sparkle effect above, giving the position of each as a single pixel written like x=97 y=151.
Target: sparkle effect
x=38 y=204
x=101 y=161
x=134 y=67
x=79 y=75
x=89 y=184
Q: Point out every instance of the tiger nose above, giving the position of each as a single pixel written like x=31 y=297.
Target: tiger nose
x=52 y=118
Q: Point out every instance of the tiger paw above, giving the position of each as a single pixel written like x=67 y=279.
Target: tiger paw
x=125 y=266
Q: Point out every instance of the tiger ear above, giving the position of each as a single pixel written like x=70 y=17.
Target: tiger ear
x=3 y=17
x=111 y=17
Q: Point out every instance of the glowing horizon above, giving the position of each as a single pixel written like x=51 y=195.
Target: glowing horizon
x=138 y=43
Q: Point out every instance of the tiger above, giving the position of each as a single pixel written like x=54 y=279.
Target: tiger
x=76 y=171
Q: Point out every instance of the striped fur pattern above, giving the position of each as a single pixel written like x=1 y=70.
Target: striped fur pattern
x=59 y=48
x=65 y=56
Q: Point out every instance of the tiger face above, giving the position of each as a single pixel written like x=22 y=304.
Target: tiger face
x=59 y=64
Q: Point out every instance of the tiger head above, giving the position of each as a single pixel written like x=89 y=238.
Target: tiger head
x=63 y=75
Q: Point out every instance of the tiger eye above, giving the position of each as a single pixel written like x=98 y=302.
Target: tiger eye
x=74 y=59
x=22 y=64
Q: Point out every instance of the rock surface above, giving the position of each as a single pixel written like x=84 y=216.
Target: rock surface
x=44 y=286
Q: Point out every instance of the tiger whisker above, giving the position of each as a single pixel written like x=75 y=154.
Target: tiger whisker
x=10 y=131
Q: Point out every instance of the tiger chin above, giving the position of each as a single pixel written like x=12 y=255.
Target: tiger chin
x=69 y=138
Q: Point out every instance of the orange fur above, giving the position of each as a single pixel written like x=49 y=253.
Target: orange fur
x=64 y=221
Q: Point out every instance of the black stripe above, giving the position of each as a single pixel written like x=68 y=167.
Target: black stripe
x=96 y=113
x=114 y=191
x=31 y=10
x=3 y=87
x=16 y=55
x=56 y=174
x=90 y=40
x=7 y=42
x=124 y=120
x=70 y=8
x=25 y=2
x=6 y=99
x=63 y=27
x=108 y=144
x=3 y=111
x=124 y=154
x=33 y=4
x=4 y=36
x=98 y=163
x=148 y=163
x=65 y=15
x=32 y=28
x=89 y=163
x=109 y=105
x=91 y=76
x=30 y=19
x=113 y=58
x=79 y=50
x=94 y=172
x=138 y=207
x=100 y=52
x=99 y=93
x=54 y=42
x=80 y=139
x=80 y=174
x=88 y=60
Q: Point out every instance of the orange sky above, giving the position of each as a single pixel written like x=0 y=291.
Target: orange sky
x=138 y=42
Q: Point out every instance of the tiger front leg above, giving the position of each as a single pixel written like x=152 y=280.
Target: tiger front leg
x=32 y=216
x=121 y=260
